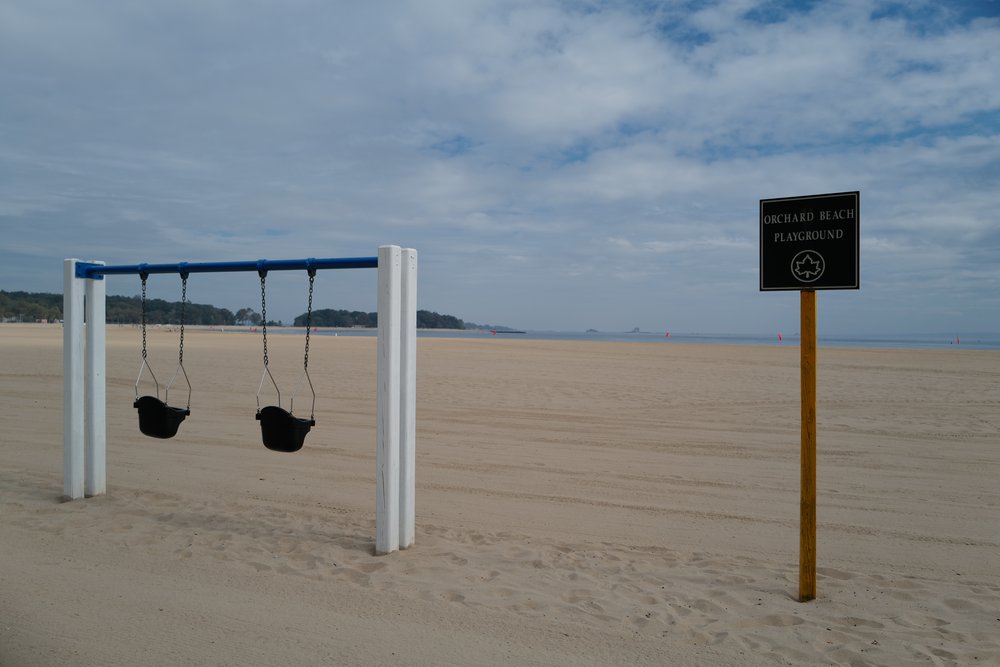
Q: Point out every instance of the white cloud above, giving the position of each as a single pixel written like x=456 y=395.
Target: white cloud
x=523 y=147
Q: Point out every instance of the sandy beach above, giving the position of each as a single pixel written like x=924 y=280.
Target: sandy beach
x=578 y=503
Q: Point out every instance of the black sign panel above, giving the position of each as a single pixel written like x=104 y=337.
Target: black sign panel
x=810 y=243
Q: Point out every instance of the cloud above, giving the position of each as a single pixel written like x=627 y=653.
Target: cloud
x=534 y=152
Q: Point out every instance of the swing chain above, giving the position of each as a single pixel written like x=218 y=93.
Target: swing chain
x=184 y=287
x=312 y=279
x=263 y=311
x=144 y=276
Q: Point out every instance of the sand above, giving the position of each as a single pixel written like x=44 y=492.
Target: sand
x=578 y=503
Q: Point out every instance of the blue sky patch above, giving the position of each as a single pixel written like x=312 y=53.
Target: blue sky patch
x=453 y=146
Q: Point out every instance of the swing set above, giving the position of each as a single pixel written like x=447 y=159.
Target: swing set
x=84 y=435
x=281 y=431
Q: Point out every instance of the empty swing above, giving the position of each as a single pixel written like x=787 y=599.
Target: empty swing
x=280 y=430
x=157 y=419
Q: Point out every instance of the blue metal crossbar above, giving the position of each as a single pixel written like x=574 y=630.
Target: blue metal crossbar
x=98 y=271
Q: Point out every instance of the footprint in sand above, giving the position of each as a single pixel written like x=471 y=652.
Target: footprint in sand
x=781 y=620
x=834 y=574
x=260 y=567
x=706 y=607
x=961 y=605
x=862 y=623
x=579 y=595
x=455 y=559
x=919 y=622
x=370 y=568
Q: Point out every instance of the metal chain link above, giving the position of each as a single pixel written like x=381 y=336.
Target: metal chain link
x=184 y=289
x=309 y=312
x=263 y=311
x=143 y=276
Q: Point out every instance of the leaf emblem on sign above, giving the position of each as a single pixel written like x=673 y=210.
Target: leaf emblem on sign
x=808 y=265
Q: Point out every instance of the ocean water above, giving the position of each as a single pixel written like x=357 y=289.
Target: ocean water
x=990 y=341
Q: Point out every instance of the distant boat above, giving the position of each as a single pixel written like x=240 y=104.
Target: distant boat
x=506 y=331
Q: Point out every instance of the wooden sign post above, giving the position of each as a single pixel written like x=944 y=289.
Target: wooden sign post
x=807 y=502
x=807 y=244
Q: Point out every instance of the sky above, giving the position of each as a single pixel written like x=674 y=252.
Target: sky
x=557 y=165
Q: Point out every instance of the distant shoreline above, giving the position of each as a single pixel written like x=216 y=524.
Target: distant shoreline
x=939 y=341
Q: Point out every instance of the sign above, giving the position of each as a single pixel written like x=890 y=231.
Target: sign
x=810 y=243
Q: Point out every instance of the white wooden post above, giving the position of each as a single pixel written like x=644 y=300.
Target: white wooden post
x=387 y=402
x=95 y=460
x=408 y=400
x=73 y=391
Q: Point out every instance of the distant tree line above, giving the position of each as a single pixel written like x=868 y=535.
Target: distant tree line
x=426 y=319
x=328 y=317
x=488 y=327
x=30 y=306
x=430 y=320
x=128 y=310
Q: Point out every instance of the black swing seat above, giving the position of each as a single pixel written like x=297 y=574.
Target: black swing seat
x=280 y=431
x=157 y=419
